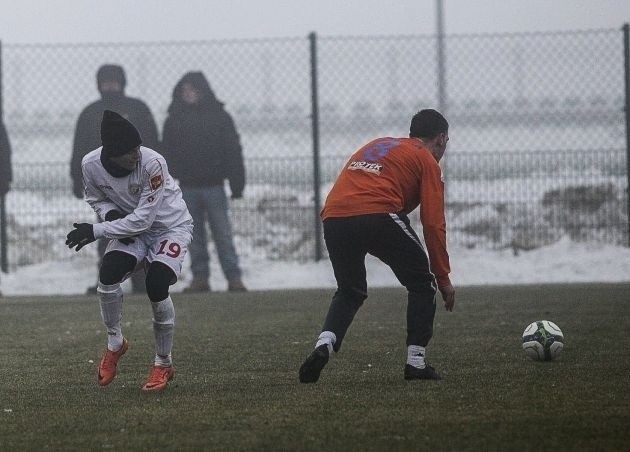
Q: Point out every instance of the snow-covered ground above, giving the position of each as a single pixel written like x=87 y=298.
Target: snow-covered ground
x=562 y=262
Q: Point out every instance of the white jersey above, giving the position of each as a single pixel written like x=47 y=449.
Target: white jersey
x=149 y=197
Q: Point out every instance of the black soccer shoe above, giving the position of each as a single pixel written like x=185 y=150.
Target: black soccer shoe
x=313 y=365
x=428 y=373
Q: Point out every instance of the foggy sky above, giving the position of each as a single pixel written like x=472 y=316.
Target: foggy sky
x=78 y=21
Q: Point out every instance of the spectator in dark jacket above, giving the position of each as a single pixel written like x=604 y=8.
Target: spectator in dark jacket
x=202 y=148
x=110 y=81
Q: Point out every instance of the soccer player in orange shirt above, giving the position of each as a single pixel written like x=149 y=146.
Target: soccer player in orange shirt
x=366 y=212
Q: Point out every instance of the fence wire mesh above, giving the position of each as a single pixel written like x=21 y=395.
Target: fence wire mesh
x=537 y=148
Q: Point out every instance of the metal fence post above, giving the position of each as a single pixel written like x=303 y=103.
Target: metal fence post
x=626 y=55
x=316 y=160
x=441 y=65
x=441 y=77
x=4 y=261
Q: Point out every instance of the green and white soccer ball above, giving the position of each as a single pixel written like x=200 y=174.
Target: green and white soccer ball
x=543 y=340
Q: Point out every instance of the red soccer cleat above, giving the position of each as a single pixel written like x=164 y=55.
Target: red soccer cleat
x=109 y=361
x=159 y=378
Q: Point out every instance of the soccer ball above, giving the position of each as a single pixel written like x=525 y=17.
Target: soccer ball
x=543 y=340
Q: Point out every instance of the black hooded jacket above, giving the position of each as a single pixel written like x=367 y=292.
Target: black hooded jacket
x=87 y=134
x=200 y=142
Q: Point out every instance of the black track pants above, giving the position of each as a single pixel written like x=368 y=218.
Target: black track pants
x=390 y=238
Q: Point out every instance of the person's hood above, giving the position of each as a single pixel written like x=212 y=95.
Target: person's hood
x=111 y=73
x=207 y=102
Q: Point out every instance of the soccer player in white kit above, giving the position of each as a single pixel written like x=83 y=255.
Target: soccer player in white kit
x=130 y=189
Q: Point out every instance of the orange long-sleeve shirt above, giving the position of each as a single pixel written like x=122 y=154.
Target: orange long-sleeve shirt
x=395 y=175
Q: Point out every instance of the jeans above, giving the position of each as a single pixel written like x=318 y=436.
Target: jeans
x=210 y=204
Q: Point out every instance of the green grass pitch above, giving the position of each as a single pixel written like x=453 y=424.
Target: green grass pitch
x=236 y=385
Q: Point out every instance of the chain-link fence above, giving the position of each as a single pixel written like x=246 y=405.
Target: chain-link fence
x=537 y=150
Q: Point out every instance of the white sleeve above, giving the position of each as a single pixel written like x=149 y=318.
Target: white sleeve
x=144 y=214
x=95 y=197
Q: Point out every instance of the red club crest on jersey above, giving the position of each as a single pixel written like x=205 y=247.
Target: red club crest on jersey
x=156 y=182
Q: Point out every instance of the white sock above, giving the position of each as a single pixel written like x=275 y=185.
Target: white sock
x=111 y=312
x=163 y=327
x=164 y=361
x=328 y=338
x=415 y=356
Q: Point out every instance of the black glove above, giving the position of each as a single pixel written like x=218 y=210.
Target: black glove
x=80 y=236
x=116 y=215
x=237 y=195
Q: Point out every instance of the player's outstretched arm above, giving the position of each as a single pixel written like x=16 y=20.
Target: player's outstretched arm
x=113 y=215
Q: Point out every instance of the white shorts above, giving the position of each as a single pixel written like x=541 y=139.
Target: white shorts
x=169 y=247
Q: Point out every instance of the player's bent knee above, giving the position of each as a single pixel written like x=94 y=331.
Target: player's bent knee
x=115 y=266
x=159 y=278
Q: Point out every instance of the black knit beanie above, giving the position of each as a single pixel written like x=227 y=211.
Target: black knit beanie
x=118 y=135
